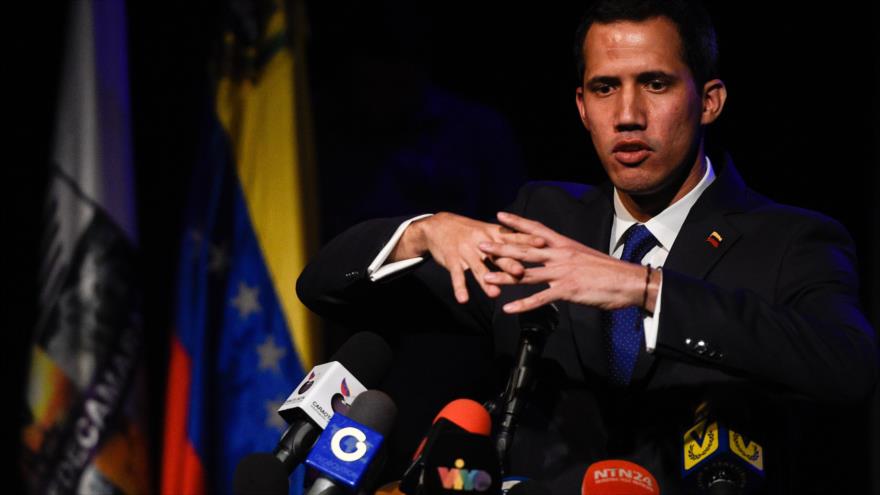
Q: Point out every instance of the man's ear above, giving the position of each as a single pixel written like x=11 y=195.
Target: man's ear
x=582 y=109
x=714 y=96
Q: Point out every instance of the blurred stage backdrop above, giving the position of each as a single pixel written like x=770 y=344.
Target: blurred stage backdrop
x=174 y=165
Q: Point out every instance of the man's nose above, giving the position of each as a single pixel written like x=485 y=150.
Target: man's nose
x=630 y=111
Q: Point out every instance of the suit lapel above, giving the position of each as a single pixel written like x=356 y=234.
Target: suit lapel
x=707 y=235
x=591 y=227
x=700 y=245
x=704 y=239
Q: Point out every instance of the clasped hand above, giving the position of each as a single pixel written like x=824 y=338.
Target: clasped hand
x=525 y=252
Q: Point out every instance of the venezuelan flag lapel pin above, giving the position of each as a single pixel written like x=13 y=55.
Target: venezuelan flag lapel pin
x=714 y=239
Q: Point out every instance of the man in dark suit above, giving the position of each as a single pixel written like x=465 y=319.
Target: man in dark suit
x=755 y=308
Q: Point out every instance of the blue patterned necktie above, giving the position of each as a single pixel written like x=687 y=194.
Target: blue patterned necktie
x=624 y=328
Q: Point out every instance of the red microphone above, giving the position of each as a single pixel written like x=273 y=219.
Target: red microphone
x=616 y=477
x=457 y=445
x=467 y=414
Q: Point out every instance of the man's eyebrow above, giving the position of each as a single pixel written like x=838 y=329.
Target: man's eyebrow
x=649 y=76
x=642 y=78
x=609 y=80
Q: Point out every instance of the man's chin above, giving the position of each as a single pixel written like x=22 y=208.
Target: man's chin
x=637 y=185
x=640 y=195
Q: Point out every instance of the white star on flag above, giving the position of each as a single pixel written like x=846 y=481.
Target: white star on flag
x=270 y=354
x=246 y=301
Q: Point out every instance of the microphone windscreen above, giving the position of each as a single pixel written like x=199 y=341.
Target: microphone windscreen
x=260 y=474
x=467 y=414
x=366 y=356
x=617 y=477
x=375 y=410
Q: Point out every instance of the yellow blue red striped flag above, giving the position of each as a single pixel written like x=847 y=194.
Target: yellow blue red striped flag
x=242 y=339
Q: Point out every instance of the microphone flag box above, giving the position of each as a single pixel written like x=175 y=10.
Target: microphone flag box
x=709 y=446
x=327 y=389
x=344 y=450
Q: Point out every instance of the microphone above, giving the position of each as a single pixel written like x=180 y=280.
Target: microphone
x=360 y=363
x=535 y=326
x=460 y=461
x=327 y=388
x=349 y=444
x=458 y=454
x=467 y=414
x=459 y=416
x=617 y=477
x=719 y=461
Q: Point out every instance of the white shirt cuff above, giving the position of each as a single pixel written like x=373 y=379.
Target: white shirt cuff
x=652 y=323
x=378 y=269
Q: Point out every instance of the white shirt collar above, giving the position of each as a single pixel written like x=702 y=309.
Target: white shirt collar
x=665 y=225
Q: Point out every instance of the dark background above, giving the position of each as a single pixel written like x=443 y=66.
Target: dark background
x=801 y=122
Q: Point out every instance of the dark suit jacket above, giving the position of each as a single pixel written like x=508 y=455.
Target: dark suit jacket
x=761 y=325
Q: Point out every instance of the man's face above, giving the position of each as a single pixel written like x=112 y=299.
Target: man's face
x=640 y=104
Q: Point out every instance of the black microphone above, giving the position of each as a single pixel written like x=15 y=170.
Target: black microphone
x=347 y=450
x=535 y=326
x=361 y=362
x=718 y=460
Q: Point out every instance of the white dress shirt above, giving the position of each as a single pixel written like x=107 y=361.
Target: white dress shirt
x=665 y=227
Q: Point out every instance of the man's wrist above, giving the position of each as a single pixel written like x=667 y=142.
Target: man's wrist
x=412 y=243
x=652 y=288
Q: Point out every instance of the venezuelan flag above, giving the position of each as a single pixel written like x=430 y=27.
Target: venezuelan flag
x=242 y=339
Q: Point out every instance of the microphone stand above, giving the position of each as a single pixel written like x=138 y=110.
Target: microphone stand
x=535 y=326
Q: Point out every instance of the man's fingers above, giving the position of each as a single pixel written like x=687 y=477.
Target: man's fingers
x=537 y=300
x=518 y=252
x=540 y=275
x=501 y=278
x=530 y=276
x=520 y=238
x=458 y=283
x=479 y=270
x=551 y=237
x=525 y=225
x=510 y=265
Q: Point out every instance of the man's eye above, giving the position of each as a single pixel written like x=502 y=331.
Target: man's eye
x=657 y=85
x=602 y=89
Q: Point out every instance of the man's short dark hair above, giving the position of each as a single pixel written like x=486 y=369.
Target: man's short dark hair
x=699 y=46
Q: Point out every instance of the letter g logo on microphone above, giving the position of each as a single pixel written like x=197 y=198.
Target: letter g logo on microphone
x=360 y=447
x=345 y=450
